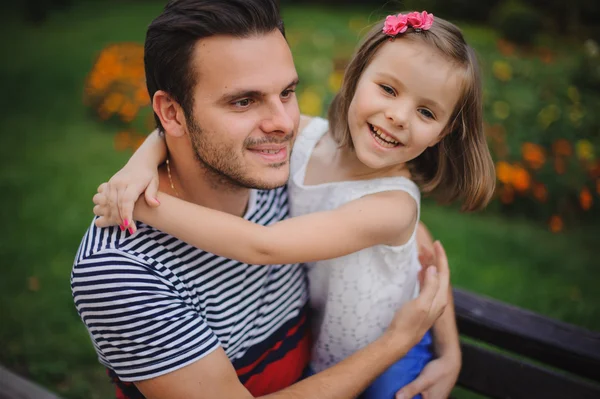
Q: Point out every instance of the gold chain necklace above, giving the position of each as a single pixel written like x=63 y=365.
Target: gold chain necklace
x=171 y=179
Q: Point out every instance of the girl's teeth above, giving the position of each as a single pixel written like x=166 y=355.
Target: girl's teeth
x=384 y=137
x=384 y=143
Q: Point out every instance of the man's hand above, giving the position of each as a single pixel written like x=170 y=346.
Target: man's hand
x=424 y=310
x=439 y=376
x=435 y=381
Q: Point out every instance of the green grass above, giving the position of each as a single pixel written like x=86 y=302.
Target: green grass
x=54 y=154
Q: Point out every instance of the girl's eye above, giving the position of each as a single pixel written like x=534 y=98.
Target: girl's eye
x=244 y=103
x=388 y=89
x=427 y=113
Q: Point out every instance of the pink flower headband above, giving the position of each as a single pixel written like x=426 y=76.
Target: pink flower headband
x=395 y=24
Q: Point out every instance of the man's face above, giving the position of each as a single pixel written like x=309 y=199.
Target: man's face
x=245 y=114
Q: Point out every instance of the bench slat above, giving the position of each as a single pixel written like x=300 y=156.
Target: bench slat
x=501 y=377
x=527 y=333
x=14 y=387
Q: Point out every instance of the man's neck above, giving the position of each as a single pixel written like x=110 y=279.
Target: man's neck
x=193 y=184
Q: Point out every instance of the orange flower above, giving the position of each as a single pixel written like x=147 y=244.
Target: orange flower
x=128 y=111
x=141 y=96
x=122 y=140
x=556 y=224
x=116 y=84
x=595 y=170
x=505 y=47
x=507 y=194
x=546 y=55
x=585 y=199
x=504 y=171
x=559 y=166
x=540 y=192
x=562 y=147
x=520 y=179
x=534 y=155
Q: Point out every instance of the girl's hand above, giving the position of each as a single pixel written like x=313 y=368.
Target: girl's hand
x=115 y=200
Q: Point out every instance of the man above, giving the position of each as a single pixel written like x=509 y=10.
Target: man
x=172 y=321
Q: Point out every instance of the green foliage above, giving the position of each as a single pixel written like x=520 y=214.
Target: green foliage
x=543 y=131
x=461 y=10
x=517 y=22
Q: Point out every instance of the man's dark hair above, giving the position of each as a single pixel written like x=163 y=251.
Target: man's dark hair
x=171 y=38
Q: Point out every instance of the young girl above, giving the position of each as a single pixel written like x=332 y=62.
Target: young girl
x=408 y=115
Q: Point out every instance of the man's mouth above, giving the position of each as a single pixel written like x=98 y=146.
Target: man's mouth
x=271 y=153
x=382 y=138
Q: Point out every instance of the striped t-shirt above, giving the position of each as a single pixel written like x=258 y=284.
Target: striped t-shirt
x=153 y=304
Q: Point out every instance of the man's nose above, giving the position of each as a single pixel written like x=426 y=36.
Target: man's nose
x=278 y=120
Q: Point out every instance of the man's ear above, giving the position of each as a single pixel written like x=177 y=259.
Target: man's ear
x=170 y=114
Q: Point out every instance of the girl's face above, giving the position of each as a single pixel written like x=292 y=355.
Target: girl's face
x=403 y=101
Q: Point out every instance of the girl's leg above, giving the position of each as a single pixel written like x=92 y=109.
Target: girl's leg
x=402 y=373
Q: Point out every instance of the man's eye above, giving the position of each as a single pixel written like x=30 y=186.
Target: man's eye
x=387 y=89
x=244 y=103
x=287 y=93
x=427 y=113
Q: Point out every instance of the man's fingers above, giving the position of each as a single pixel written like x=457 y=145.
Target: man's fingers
x=425 y=256
x=430 y=288
x=441 y=259
x=102 y=187
x=443 y=269
x=414 y=388
x=421 y=275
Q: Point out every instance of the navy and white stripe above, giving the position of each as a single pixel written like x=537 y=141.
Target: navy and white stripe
x=153 y=304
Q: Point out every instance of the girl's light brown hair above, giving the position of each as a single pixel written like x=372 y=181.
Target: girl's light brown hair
x=460 y=166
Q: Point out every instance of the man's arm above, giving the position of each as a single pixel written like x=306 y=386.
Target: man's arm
x=445 y=331
x=439 y=376
x=213 y=376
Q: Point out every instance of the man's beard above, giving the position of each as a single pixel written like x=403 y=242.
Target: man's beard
x=224 y=170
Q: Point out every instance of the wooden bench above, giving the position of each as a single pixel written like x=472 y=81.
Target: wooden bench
x=548 y=359
x=13 y=386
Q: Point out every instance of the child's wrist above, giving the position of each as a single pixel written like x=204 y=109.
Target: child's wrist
x=141 y=210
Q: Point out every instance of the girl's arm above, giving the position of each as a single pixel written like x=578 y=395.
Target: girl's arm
x=383 y=218
x=152 y=152
x=139 y=175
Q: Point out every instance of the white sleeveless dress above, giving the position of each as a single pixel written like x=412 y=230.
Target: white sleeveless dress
x=354 y=297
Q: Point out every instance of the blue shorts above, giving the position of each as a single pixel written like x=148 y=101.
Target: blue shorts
x=403 y=372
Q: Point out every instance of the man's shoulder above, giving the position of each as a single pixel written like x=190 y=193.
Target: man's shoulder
x=110 y=245
x=115 y=262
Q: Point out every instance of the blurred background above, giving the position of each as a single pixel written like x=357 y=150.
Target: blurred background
x=74 y=106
